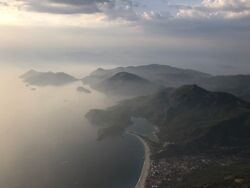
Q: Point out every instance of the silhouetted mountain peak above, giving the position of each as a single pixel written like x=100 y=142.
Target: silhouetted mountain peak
x=125 y=76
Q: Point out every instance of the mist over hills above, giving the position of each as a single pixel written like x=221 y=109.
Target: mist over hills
x=33 y=77
x=144 y=80
x=126 y=84
x=166 y=76
x=161 y=74
x=188 y=114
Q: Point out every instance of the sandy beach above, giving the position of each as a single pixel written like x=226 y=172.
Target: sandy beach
x=146 y=166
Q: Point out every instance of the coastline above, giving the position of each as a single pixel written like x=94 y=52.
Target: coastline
x=146 y=165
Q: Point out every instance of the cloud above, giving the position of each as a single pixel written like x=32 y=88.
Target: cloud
x=63 y=6
x=206 y=33
x=220 y=19
x=217 y=9
x=137 y=10
x=78 y=2
x=129 y=10
x=123 y=10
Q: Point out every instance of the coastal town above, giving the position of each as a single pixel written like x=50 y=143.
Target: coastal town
x=180 y=170
x=223 y=166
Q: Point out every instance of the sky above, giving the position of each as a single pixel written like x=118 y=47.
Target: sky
x=208 y=35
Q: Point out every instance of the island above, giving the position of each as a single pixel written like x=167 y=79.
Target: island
x=83 y=90
x=33 y=77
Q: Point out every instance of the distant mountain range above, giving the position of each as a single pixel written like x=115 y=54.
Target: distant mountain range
x=144 y=80
x=161 y=74
x=109 y=81
x=188 y=115
x=33 y=77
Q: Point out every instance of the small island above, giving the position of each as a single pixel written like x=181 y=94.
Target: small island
x=35 y=78
x=83 y=90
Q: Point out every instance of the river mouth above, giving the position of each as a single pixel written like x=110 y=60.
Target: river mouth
x=47 y=142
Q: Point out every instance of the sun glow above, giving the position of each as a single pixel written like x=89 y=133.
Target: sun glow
x=13 y=15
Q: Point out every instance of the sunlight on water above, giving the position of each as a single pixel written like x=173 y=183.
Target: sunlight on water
x=43 y=132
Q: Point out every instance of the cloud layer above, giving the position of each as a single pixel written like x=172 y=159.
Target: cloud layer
x=201 y=33
x=63 y=6
x=138 y=9
x=217 y=9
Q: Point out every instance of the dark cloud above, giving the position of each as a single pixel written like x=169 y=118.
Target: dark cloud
x=79 y=2
x=64 y=6
x=138 y=10
x=112 y=8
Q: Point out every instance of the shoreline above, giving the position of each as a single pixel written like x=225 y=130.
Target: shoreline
x=146 y=165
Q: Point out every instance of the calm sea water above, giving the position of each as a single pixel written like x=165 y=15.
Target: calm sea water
x=45 y=141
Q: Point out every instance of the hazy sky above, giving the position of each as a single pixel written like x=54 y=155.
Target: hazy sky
x=208 y=35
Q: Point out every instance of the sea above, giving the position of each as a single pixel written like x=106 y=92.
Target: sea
x=46 y=142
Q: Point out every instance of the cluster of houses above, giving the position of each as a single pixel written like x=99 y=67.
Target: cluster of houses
x=167 y=172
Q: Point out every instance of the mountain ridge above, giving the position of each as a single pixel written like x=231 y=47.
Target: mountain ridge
x=161 y=74
x=169 y=76
x=182 y=117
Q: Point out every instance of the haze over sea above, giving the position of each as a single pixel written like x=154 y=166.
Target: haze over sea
x=47 y=142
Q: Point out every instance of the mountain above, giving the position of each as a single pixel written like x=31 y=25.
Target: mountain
x=236 y=84
x=168 y=76
x=126 y=84
x=33 y=77
x=188 y=115
x=161 y=74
